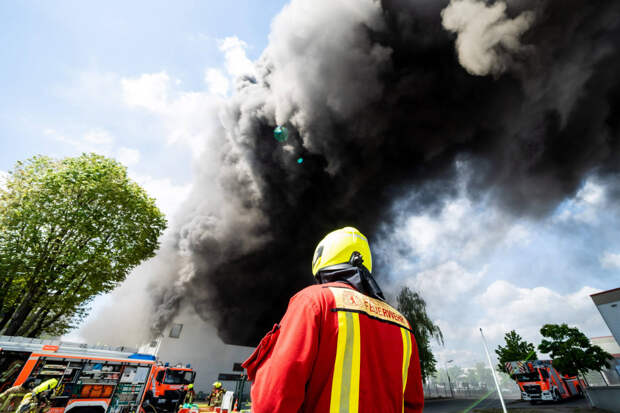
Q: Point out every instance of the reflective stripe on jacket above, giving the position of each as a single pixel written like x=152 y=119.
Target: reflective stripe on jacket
x=335 y=351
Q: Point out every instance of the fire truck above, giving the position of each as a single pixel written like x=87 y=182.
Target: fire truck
x=538 y=380
x=91 y=379
x=166 y=388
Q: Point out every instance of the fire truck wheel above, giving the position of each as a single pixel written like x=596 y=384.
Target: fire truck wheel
x=556 y=396
x=580 y=392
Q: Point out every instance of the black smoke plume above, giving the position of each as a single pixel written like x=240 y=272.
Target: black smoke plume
x=384 y=100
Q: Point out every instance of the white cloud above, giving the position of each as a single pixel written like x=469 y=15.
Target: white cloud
x=445 y=283
x=591 y=193
x=217 y=82
x=128 y=156
x=168 y=195
x=237 y=62
x=509 y=307
x=150 y=91
x=610 y=260
x=188 y=117
x=586 y=205
x=461 y=232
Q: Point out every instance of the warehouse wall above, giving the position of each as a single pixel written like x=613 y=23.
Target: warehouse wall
x=199 y=345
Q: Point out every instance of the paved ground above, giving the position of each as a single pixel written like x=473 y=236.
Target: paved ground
x=494 y=405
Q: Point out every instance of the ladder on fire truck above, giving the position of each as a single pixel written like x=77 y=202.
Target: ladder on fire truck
x=13 y=343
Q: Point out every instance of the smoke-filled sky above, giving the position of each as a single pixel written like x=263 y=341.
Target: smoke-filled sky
x=475 y=143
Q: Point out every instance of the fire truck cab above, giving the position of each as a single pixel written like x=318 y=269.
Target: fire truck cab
x=166 y=387
x=538 y=380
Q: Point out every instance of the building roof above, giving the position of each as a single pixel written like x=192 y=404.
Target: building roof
x=606 y=297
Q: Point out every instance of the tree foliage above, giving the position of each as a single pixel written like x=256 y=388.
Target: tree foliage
x=69 y=229
x=413 y=308
x=571 y=351
x=516 y=349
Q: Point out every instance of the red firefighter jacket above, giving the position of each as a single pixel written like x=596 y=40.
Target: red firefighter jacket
x=337 y=350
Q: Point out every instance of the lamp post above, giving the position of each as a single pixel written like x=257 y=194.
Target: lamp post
x=448 y=374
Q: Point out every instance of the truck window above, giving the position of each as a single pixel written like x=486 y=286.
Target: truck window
x=160 y=376
x=523 y=377
x=189 y=377
x=545 y=374
x=178 y=376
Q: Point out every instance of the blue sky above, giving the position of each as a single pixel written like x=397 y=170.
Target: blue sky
x=55 y=52
x=138 y=81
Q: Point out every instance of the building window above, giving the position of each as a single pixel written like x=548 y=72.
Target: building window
x=175 y=331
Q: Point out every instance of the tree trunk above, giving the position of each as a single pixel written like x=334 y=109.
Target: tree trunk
x=32 y=330
x=44 y=324
x=39 y=324
x=6 y=316
x=20 y=314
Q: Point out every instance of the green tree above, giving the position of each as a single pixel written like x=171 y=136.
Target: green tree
x=571 y=351
x=516 y=349
x=70 y=229
x=454 y=371
x=413 y=308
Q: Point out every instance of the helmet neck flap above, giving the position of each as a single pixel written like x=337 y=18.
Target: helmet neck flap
x=357 y=277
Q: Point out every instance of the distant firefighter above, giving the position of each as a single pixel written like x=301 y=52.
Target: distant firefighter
x=189 y=394
x=215 y=398
x=340 y=347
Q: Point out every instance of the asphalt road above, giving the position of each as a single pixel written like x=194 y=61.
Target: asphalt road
x=462 y=405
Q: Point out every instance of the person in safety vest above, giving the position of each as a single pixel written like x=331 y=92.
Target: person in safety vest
x=189 y=394
x=37 y=400
x=217 y=393
x=340 y=347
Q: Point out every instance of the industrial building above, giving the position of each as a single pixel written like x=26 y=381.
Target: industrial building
x=608 y=304
x=191 y=340
x=606 y=397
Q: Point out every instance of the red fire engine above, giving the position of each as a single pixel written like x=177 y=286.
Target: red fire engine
x=91 y=379
x=539 y=380
x=166 y=388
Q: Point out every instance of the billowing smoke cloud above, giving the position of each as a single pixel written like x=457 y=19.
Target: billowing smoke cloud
x=383 y=99
x=488 y=41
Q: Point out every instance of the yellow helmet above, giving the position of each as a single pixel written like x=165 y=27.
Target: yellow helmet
x=217 y=384
x=191 y=386
x=338 y=247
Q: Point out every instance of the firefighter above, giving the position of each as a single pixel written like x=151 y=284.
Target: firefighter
x=37 y=401
x=25 y=387
x=340 y=347
x=217 y=393
x=189 y=394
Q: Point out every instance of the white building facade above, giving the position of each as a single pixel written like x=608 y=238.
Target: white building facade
x=190 y=340
x=608 y=304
